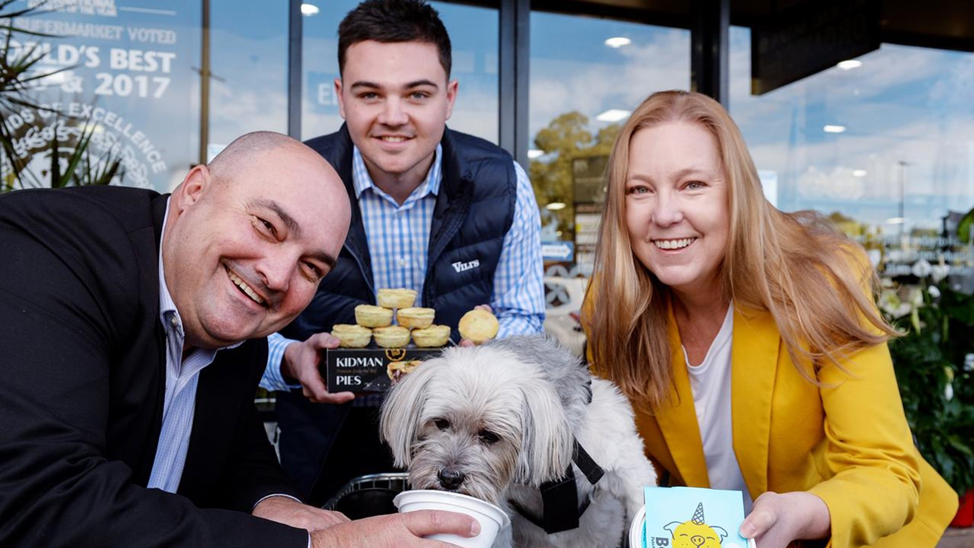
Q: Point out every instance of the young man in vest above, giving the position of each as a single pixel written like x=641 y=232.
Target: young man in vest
x=444 y=213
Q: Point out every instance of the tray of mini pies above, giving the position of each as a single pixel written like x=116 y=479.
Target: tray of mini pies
x=392 y=339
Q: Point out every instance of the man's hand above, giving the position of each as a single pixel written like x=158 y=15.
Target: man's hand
x=301 y=361
x=467 y=342
x=291 y=512
x=396 y=530
x=777 y=519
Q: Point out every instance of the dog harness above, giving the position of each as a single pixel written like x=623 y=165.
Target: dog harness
x=559 y=497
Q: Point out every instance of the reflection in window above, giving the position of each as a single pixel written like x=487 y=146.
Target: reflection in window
x=249 y=65
x=122 y=75
x=473 y=35
x=582 y=89
x=883 y=146
x=319 y=59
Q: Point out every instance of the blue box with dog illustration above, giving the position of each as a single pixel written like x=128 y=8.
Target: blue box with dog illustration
x=690 y=517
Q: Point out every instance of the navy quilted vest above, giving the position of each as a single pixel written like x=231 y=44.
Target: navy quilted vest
x=473 y=212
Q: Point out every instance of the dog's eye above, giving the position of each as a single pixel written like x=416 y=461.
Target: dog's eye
x=487 y=437
x=442 y=424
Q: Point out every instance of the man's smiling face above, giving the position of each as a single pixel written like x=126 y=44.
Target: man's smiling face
x=395 y=99
x=244 y=250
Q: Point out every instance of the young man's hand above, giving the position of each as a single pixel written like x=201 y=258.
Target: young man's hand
x=301 y=362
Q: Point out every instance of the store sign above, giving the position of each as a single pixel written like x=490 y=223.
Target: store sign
x=809 y=38
x=558 y=251
x=321 y=92
x=588 y=185
x=125 y=71
x=588 y=179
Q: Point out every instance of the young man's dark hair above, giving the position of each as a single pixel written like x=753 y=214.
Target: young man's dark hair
x=394 y=21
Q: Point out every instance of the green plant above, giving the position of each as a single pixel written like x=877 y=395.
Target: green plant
x=964 y=228
x=67 y=140
x=934 y=363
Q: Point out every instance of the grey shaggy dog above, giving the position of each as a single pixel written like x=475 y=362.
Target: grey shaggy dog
x=497 y=420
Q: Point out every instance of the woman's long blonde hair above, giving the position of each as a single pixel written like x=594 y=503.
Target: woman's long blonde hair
x=796 y=266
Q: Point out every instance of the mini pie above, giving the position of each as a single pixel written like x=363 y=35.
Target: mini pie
x=415 y=318
x=478 y=326
x=393 y=336
x=433 y=336
x=396 y=370
x=372 y=316
x=351 y=336
x=396 y=298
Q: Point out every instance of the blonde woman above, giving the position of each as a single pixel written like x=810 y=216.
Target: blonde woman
x=748 y=342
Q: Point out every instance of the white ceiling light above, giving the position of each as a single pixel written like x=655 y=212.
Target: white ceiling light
x=833 y=128
x=858 y=172
x=613 y=115
x=617 y=42
x=309 y=9
x=555 y=206
x=849 y=64
x=535 y=153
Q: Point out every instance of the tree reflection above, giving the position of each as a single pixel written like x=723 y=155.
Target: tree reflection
x=566 y=138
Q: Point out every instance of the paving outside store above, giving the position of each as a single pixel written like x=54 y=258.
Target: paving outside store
x=958 y=538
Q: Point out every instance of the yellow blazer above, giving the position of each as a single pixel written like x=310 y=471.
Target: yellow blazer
x=846 y=441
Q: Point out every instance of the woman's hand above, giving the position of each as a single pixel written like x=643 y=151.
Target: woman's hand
x=776 y=519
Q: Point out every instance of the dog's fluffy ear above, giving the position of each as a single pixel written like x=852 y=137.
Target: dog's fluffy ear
x=546 y=449
x=402 y=412
x=566 y=372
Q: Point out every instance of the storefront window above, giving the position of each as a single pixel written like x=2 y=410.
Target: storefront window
x=249 y=69
x=473 y=35
x=122 y=75
x=883 y=144
x=586 y=77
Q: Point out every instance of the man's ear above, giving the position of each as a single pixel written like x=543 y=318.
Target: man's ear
x=190 y=191
x=451 y=95
x=341 y=100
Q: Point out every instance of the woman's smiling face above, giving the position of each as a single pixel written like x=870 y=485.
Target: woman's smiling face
x=677 y=211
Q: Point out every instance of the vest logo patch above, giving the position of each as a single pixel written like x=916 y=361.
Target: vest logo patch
x=461 y=266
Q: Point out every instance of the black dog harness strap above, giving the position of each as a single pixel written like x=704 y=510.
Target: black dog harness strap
x=593 y=472
x=562 y=511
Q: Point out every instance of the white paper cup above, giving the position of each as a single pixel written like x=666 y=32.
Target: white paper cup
x=492 y=519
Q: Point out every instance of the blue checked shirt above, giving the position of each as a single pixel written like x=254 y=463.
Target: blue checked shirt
x=398 y=238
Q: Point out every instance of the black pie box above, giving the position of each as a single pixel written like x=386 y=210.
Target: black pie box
x=365 y=369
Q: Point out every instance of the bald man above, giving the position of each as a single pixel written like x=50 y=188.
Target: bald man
x=132 y=332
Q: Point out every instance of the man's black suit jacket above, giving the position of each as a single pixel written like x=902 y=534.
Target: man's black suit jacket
x=82 y=380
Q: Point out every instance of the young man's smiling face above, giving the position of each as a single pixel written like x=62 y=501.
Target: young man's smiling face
x=395 y=98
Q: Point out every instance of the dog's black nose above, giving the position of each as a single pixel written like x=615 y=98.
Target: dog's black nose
x=450 y=478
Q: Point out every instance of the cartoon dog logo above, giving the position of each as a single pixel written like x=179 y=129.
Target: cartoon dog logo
x=696 y=533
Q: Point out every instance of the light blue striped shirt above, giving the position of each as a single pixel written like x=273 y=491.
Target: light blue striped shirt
x=179 y=405
x=398 y=238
